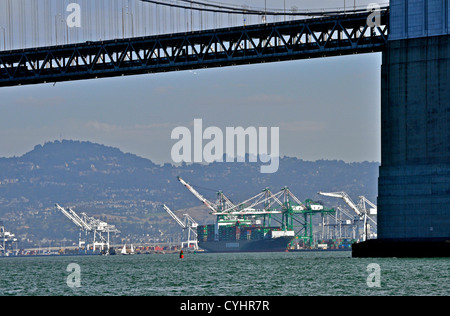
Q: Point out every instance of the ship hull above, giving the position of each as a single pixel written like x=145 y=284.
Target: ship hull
x=262 y=245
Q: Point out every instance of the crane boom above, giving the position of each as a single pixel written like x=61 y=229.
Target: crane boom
x=174 y=216
x=83 y=222
x=364 y=199
x=347 y=200
x=190 y=224
x=288 y=194
x=198 y=195
x=76 y=220
x=224 y=202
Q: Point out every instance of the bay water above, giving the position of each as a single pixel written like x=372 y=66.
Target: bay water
x=236 y=274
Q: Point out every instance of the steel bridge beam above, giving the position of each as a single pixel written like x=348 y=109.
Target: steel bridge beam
x=301 y=39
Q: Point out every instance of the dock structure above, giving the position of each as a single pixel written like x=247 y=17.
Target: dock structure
x=90 y=229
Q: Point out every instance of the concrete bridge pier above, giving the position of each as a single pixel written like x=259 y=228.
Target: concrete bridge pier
x=414 y=180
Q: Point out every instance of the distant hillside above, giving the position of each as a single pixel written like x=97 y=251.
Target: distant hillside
x=127 y=190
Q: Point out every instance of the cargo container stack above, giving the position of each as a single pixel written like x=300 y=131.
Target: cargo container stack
x=338 y=243
x=205 y=233
x=257 y=233
x=232 y=232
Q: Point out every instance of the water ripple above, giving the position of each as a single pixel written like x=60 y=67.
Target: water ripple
x=249 y=274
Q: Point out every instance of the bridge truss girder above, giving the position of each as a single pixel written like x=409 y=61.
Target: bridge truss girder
x=301 y=39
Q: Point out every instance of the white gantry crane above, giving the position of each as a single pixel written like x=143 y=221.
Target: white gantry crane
x=339 y=225
x=188 y=224
x=360 y=209
x=6 y=239
x=90 y=225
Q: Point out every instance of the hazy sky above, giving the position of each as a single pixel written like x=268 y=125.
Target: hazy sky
x=327 y=108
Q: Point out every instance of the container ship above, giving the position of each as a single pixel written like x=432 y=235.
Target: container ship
x=243 y=238
x=246 y=226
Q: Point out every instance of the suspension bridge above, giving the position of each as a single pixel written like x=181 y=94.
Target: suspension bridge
x=184 y=35
x=128 y=37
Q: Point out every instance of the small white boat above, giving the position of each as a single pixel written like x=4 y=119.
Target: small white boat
x=125 y=252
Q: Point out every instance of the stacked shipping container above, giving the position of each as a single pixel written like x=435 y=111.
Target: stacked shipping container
x=339 y=243
x=232 y=232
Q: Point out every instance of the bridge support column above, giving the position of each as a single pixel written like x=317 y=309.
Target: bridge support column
x=414 y=180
